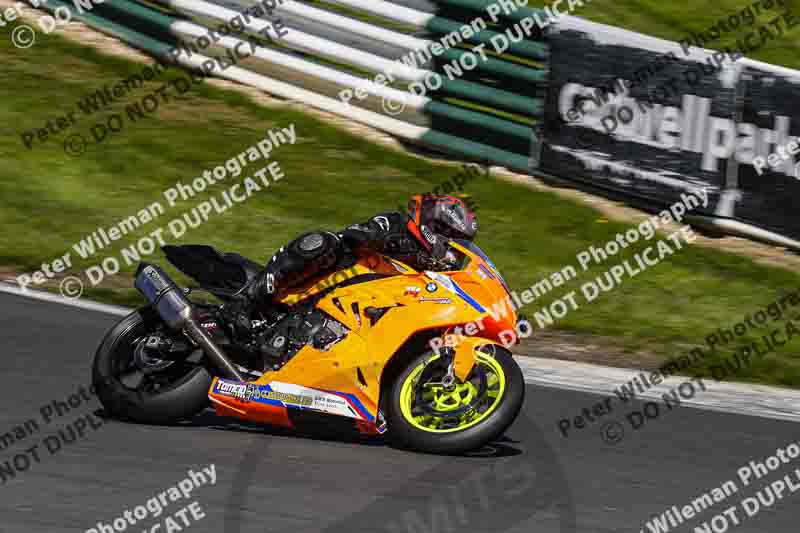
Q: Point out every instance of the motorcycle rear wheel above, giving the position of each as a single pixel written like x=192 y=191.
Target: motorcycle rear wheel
x=425 y=415
x=167 y=394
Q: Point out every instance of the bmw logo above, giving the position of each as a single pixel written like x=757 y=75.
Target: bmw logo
x=431 y=287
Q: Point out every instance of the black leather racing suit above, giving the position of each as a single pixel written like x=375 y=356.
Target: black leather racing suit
x=312 y=254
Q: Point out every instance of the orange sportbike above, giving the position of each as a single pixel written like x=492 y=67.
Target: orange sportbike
x=375 y=345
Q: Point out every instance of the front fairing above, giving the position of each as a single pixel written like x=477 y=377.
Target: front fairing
x=479 y=284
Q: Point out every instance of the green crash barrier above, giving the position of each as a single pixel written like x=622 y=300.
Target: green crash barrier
x=482 y=6
x=155 y=47
x=466 y=90
x=475 y=151
x=502 y=68
x=525 y=49
x=530 y=107
x=479 y=120
x=110 y=19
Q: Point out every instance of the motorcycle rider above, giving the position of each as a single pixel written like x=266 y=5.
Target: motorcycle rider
x=418 y=238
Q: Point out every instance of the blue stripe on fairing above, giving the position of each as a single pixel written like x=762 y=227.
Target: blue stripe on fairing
x=363 y=411
x=488 y=272
x=466 y=297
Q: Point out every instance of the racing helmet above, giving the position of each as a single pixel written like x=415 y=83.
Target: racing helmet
x=431 y=216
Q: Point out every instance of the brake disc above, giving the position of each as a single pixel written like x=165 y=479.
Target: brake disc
x=428 y=408
x=143 y=358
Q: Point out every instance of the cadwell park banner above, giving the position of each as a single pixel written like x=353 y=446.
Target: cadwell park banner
x=653 y=119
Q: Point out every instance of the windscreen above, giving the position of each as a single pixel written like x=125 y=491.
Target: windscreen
x=475 y=249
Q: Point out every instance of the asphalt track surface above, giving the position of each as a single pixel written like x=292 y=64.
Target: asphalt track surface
x=534 y=480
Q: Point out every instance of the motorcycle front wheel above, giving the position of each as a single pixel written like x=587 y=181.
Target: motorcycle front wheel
x=425 y=412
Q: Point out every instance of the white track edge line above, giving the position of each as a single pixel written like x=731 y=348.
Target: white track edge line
x=8 y=288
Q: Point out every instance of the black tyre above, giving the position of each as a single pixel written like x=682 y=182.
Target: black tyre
x=158 y=392
x=425 y=415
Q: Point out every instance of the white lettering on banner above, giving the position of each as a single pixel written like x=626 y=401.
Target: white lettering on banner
x=689 y=128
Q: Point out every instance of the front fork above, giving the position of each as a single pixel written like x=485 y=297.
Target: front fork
x=462 y=357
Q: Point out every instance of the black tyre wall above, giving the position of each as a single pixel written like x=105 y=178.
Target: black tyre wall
x=183 y=401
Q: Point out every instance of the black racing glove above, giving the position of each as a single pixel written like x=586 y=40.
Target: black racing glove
x=236 y=313
x=262 y=287
x=438 y=258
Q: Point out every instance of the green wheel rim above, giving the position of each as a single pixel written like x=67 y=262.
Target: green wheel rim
x=461 y=395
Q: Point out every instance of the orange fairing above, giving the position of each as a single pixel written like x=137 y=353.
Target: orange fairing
x=382 y=304
x=482 y=280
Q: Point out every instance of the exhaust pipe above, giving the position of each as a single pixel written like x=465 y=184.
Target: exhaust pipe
x=172 y=306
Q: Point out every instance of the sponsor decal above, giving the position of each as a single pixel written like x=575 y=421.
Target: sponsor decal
x=156 y=278
x=251 y=389
x=442 y=279
x=412 y=291
x=329 y=402
x=431 y=287
x=443 y=301
x=232 y=389
x=429 y=236
x=297 y=396
x=457 y=219
x=285 y=397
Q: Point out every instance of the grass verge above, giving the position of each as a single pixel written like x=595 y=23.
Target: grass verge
x=52 y=200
